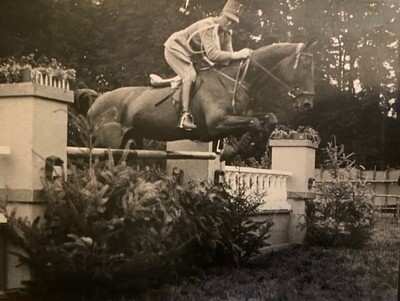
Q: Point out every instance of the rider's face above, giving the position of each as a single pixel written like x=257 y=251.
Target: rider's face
x=226 y=23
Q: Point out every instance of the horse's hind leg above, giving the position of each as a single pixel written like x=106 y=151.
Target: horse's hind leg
x=131 y=141
x=109 y=135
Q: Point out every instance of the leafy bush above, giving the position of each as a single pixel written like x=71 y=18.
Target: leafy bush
x=111 y=230
x=342 y=214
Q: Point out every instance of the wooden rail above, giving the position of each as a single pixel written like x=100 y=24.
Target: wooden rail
x=389 y=208
x=104 y=153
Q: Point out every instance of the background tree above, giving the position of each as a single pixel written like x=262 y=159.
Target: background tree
x=113 y=43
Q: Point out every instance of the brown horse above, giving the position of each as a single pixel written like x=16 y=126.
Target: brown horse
x=221 y=101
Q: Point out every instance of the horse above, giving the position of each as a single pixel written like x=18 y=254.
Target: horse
x=83 y=100
x=222 y=100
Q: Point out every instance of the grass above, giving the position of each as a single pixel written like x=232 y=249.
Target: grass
x=300 y=273
x=303 y=273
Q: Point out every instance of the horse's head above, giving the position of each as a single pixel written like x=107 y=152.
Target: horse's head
x=83 y=100
x=290 y=67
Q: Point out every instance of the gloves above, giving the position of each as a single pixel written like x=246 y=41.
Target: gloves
x=241 y=54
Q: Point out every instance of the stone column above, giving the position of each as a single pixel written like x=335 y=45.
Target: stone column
x=194 y=169
x=33 y=123
x=297 y=156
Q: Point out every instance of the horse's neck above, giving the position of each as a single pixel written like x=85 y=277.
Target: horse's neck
x=219 y=84
x=225 y=78
x=269 y=56
x=266 y=64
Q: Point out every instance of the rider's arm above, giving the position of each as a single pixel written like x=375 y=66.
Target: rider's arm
x=214 y=51
x=221 y=52
x=226 y=42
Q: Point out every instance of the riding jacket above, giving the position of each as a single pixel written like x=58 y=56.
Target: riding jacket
x=204 y=37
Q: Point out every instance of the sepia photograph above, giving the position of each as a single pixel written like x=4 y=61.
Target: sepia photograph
x=199 y=150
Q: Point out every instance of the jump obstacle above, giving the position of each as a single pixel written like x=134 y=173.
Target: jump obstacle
x=33 y=123
x=103 y=153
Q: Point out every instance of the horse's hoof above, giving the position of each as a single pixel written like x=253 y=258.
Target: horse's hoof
x=271 y=118
x=256 y=125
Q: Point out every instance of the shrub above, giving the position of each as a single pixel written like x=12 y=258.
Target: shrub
x=342 y=214
x=110 y=230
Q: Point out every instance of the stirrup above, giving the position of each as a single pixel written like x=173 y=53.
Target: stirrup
x=186 y=122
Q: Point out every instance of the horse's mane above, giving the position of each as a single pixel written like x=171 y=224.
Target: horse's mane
x=274 y=50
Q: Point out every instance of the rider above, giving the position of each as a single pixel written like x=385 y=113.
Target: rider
x=212 y=38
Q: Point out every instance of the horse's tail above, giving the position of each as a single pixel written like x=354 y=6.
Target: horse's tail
x=83 y=100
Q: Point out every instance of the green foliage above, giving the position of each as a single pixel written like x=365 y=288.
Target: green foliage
x=11 y=68
x=302 y=132
x=303 y=272
x=359 y=124
x=342 y=214
x=110 y=230
x=118 y=43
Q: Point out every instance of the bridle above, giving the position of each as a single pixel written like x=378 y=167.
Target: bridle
x=293 y=92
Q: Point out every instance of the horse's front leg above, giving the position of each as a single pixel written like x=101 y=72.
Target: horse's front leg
x=232 y=123
x=237 y=125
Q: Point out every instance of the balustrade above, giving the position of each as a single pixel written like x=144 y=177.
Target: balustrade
x=253 y=183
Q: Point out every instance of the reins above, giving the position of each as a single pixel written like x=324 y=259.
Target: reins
x=237 y=83
x=293 y=92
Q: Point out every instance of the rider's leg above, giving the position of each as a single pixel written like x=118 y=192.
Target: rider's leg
x=186 y=119
x=183 y=66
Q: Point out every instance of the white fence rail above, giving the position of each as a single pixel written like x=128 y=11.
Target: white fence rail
x=49 y=80
x=268 y=184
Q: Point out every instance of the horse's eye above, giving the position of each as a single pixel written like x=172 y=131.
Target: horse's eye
x=306 y=66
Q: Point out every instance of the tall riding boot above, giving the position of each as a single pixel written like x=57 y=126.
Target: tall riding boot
x=186 y=119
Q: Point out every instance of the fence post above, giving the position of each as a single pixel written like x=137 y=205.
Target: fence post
x=194 y=169
x=297 y=156
x=33 y=122
x=398 y=267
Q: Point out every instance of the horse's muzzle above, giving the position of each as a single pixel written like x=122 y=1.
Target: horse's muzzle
x=303 y=105
x=308 y=105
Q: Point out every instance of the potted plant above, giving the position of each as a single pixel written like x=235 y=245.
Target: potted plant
x=301 y=133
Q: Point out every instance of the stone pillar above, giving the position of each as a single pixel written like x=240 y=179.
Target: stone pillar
x=297 y=156
x=33 y=123
x=194 y=169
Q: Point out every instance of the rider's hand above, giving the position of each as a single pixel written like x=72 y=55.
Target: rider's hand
x=242 y=54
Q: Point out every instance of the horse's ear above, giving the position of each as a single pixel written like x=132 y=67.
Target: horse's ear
x=310 y=44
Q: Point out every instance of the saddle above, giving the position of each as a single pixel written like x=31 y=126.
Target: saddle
x=175 y=83
x=158 y=82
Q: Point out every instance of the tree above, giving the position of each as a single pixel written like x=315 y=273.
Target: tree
x=114 y=43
